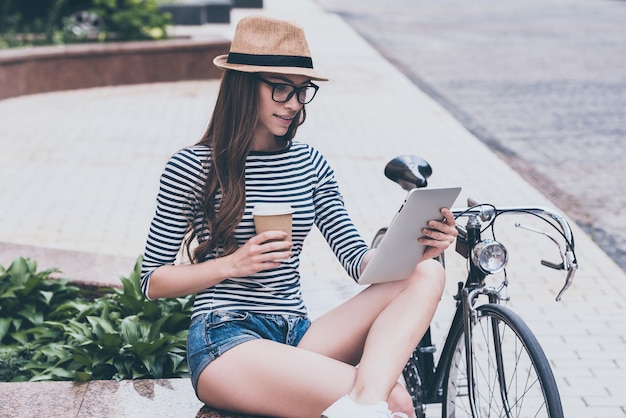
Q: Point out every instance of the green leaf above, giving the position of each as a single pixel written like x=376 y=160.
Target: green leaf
x=9 y=293
x=20 y=336
x=81 y=355
x=83 y=376
x=131 y=299
x=31 y=313
x=54 y=351
x=17 y=323
x=101 y=357
x=111 y=342
x=100 y=326
x=67 y=309
x=54 y=373
x=148 y=348
x=175 y=322
x=19 y=269
x=47 y=296
x=130 y=329
x=152 y=310
x=177 y=360
x=155 y=329
x=5 y=323
x=148 y=361
x=157 y=369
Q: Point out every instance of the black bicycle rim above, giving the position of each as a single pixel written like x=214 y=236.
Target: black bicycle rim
x=529 y=388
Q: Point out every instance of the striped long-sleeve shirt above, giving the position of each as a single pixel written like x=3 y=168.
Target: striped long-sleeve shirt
x=298 y=175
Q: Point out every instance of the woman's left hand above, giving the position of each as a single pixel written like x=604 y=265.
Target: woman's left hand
x=439 y=235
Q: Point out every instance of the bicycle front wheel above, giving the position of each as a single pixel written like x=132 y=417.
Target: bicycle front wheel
x=510 y=372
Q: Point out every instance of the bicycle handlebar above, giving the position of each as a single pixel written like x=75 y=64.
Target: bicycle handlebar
x=488 y=213
x=492 y=211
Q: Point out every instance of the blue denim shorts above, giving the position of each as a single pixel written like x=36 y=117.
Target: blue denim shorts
x=212 y=334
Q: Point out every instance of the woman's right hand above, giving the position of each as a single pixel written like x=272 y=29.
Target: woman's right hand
x=262 y=252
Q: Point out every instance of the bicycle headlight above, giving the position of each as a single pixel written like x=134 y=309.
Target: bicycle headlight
x=490 y=256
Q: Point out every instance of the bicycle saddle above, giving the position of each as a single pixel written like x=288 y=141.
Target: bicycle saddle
x=409 y=171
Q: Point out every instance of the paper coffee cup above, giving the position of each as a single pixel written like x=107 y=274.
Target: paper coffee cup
x=273 y=217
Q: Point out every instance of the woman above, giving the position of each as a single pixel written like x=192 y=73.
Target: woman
x=251 y=347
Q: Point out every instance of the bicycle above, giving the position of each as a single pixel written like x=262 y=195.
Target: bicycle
x=491 y=364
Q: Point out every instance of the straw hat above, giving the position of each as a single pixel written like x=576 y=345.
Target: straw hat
x=262 y=44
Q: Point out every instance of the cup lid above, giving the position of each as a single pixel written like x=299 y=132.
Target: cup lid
x=269 y=209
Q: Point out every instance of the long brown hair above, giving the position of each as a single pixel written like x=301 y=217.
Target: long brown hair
x=229 y=135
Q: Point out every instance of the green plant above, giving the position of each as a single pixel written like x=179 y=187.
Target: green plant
x=131 y=19
x=27 y=297
x=44 y=22
x=12 y=359
x=119 y=335
x=34 y=22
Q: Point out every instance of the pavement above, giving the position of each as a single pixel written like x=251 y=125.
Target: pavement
x=79 y=174
x=537 y=80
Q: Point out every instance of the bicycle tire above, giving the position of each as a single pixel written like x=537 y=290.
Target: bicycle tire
x=529 y=389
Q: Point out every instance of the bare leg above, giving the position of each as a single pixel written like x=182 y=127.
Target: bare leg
x=385 y=321
x=377 y=329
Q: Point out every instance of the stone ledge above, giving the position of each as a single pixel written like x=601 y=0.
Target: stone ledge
x=90 y=270
x=45 y=69
x=105 y=398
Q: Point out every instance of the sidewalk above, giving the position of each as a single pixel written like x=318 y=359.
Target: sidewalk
x=79 y=173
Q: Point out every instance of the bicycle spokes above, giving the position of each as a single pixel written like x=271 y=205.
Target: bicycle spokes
x=504 y=374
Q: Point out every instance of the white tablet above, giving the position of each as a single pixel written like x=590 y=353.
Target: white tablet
x=399 y=251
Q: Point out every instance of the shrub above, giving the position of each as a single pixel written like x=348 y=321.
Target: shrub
x=50 y=330
x=43 y=22
x=131 y=19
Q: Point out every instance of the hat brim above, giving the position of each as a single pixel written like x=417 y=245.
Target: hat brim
x=221 y=61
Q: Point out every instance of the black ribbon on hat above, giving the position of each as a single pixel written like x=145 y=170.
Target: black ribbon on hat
x=270 y=60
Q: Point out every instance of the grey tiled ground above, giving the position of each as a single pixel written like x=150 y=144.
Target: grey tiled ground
x=79 y=172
